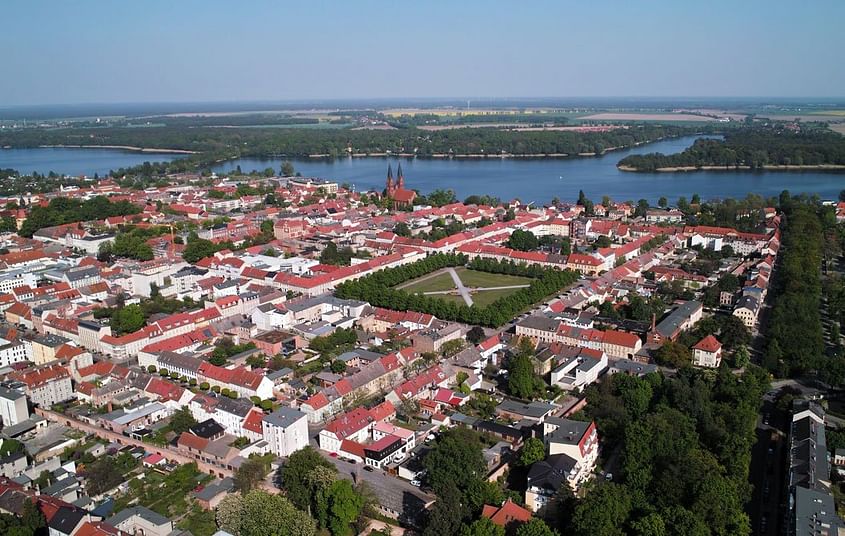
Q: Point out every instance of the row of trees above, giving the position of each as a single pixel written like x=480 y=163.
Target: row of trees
x=751 y=147
x=686 y=450
x=377 y=289
x=62 y=210
x=795 y=341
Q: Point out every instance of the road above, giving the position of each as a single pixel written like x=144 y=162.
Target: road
x=393 y=493
x=768 y=465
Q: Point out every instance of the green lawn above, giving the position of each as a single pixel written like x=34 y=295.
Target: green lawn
x=436 y=283
x=484 y=298
x=474 y=278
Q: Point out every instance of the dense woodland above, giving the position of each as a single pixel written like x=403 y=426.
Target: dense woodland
x=685 y=445
x=377 y=289
x=750 y=147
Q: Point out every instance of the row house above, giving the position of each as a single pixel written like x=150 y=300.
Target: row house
x=46 y=386
x=238 y=417
x=239 y=379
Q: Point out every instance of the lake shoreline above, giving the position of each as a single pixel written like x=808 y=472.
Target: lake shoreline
x=769 y=167
x=120 y=147
x=501 y=156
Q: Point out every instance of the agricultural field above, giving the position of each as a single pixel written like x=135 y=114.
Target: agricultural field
x=629 y=116
x=837 y=127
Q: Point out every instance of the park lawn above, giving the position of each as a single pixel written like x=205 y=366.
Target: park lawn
x=451 y=297
x=476 y=279
x=483 y=298
x=437 y=283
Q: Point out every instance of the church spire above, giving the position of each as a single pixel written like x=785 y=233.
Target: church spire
x=389 y=187
x=400 y=178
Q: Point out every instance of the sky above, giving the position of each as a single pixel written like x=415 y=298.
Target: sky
x=60 y=52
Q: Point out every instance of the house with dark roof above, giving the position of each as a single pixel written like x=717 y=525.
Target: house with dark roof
x=141 y=520
x=682 y=318
x=811 y=505
x=66 y=521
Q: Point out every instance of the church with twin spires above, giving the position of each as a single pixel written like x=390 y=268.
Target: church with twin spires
x=396 y=190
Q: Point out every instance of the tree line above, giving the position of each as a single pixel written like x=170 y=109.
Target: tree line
x=234 y=142
x=377 y=289
x=750 y=147
x=796 y=343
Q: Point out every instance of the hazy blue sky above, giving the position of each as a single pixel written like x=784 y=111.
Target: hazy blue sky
x=178 y=50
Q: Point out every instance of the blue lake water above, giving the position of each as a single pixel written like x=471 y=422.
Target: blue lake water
x=76 y=161
x=541 y=179
x=536 y=180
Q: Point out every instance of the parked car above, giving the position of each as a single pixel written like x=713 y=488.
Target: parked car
x=369 y=468
x=415 y=482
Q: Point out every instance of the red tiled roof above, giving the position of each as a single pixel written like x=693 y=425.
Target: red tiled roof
x=192 y=441
x=352 y=447
x=37 y=377
x=507 y=513
x=349 y=423
x=708 y=344
x=252 y=422
x=318 y=401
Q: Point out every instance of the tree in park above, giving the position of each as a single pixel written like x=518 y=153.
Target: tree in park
x=476 y=335
x=532 y=451
x=482 y=527
x=294 y=476
x=662 y=202
x=287 y=169
x=182 y=420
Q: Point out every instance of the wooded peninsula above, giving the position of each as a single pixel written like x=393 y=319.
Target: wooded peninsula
x=750 y=148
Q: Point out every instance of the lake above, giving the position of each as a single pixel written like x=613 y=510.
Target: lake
x=538 y=179
x=541 y=179
x=76 y=161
